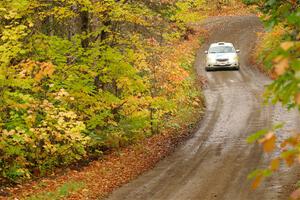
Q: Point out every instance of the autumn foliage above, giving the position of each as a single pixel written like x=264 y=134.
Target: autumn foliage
x=80 y=77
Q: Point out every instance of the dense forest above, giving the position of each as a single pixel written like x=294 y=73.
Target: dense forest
x=79 y=77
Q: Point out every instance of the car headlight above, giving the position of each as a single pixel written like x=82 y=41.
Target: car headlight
x=210 y=60
x=235 y=59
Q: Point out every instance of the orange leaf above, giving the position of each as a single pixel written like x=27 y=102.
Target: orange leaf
x=256 y=182
x=268 y=142
x=284 y=144
x=38 y=76
x=281 y=66
x=297 y=98
x=289 y=160
x=275 y=164
x=287 y=45
x=296 y=194
x=294 y=2
x=298 y=158
x=278 y=59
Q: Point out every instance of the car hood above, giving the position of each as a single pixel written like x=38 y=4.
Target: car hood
x=222 y=55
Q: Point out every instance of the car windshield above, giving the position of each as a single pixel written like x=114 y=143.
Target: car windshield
x=221 y=49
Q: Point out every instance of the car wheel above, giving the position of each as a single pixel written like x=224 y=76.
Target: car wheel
x=207 y=69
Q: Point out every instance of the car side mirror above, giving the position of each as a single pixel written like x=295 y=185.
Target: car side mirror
x=238 y=51
x=206 y=52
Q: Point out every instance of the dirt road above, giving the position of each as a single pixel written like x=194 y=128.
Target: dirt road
x=214 y=163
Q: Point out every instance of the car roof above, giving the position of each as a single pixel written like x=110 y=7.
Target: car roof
x=221 y=44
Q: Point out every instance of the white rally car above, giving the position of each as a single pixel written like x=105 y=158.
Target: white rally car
x=222 y=55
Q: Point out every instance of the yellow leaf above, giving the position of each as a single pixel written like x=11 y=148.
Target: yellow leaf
x=287 y=45
x=268 y=142
x=256 y=182
x=275 y=164
x=195 y=103
x=281 y=66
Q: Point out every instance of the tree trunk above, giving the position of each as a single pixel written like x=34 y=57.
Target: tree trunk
x=84 y=15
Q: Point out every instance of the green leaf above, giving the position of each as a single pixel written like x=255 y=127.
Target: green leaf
x=254 y=137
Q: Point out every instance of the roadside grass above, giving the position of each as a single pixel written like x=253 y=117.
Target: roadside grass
x=263 y=55
x=61 y=192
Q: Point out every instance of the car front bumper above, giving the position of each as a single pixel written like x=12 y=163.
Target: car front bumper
x=227 y=66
